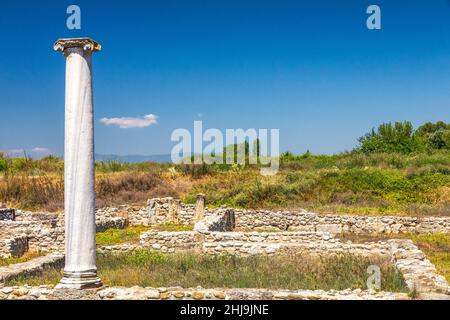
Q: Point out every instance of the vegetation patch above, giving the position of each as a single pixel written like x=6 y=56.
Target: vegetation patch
x=14 y=260
x=153 y=269
x=131 y=234
x=395 y=170
x=435 y=246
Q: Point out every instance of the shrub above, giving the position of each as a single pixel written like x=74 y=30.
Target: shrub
x=3 y=164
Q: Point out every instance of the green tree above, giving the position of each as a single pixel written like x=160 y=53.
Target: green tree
x=397 y=137
x=434 y=135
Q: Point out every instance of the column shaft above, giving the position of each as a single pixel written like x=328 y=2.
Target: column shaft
x=79 y=173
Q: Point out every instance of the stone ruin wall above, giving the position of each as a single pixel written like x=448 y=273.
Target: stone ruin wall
x=43 y=232
x=249 y=243
x=313 y=222
x=162 y=211
x=198 y=293
x=44 y=236
x=14 y=246
x=168 y=210
x=297 y=231
x=7 y=214
x=419 y=273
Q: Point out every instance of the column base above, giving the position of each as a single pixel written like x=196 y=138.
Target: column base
x=80 y=280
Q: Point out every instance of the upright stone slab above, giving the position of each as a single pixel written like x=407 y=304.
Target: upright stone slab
x=80 y=270
x=199 y=207
x=174 y=208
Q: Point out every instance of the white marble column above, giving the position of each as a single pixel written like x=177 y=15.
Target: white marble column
x=80 y=270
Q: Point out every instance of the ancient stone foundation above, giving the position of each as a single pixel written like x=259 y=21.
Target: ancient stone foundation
x=178 y=293
x=226 y=231
x=168 y=210
x=313 y=222
x=43 y=232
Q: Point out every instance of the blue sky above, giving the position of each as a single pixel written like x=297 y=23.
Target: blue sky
x=309 y=68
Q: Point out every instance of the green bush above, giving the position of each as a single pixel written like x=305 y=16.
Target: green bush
x=3 y=164
x=402 y=138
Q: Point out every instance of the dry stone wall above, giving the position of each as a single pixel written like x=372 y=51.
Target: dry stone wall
x=33 y=267
x=179 y=293
x=221 y=220
x=171 y=241
x=44 y=232
x=168 y=210
x=43 y=236
x=160 y=211
x=250 y=243
x=419 y=273
x=7 y=214
x=306 y=221
x=15 y=246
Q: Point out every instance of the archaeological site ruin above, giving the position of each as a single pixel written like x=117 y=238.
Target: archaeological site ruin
x=68 y=241
x=224 y=231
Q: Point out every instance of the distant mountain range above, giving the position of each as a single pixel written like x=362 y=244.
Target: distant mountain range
x=133 y=158
x=38 y=154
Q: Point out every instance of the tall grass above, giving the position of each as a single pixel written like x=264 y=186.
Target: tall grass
x=435 y=246
x=149 y=268
x=379 y=183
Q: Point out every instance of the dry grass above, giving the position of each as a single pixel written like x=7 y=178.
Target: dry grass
x=46 y=192
x=14 y=260
x=149 y=268
x=350 y=183
x=435 y=246
x=132 y=188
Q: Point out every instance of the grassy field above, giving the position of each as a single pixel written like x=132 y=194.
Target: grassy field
x=149 y=268
x=436 y=247
x=353 y=183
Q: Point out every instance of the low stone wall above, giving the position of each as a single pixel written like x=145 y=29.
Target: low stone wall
x=306 y=221
x=32 y=267
x=249 y=243
x=287 y=242
x=43 y=236
x=168 y=210
x=178 y=293
x=171 y=241
x=43 y=231
x=44 y=217
x=7 y=214
x=15 y=246
x=419 y=273
x=104 y=224
x=162 y=211
x=221 y=220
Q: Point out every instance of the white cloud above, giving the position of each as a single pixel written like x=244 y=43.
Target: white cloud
x=128 y=122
